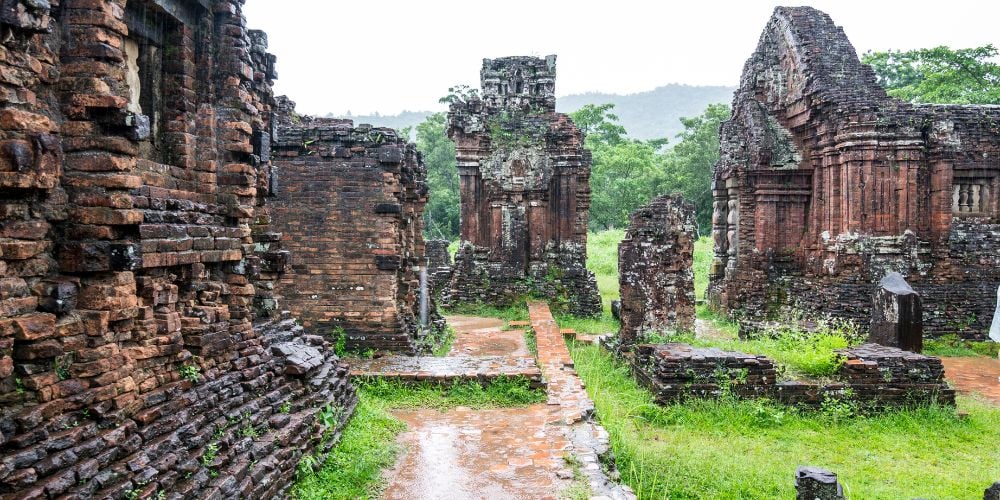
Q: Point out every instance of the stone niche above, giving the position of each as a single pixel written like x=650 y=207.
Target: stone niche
x=349 y=202
x=525 y=192
x=825 y=184
x=656 y=277
x=140 y=334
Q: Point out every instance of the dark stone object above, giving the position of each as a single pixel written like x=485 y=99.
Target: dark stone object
x=812 y=483
x=124 y=256
x=388 y=262
x=616 y=309
x=993 y=492
x=139 y=128
x=388 y=208
x=897 y=315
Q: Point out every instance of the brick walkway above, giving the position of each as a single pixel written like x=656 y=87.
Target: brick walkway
x=506 y=453
x=482 y=351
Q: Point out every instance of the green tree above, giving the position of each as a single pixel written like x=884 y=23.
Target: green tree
x=442 y=211
x=599 y=124
x=939 y=75
x=687 y=168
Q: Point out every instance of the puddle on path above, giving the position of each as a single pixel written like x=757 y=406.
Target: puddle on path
x=507 y=453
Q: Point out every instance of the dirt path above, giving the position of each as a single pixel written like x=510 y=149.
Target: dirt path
x=508 y=453
x=974 y=375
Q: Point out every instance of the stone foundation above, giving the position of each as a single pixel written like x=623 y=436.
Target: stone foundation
x=525 y=191
x=656 y=277
x=874 y=376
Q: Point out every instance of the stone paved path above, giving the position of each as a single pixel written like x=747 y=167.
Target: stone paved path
x=482 y=351
x=509 y=453
x=979 y=375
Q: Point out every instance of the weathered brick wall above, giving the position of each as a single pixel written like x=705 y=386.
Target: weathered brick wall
x=349 y=202
x=655 y=269
x=873 y=376
x=135 y=254
x=825 y=184
x=525 y=191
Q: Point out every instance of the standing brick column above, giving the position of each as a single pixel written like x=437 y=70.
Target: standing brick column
x=656 y=277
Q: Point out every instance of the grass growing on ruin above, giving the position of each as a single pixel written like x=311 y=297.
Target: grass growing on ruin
x=602 y=260
x=368 y=445
x=750 y=449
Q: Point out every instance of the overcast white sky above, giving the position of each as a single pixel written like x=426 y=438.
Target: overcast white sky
x=388 y=56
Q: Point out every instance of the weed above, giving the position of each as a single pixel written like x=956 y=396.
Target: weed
x=62 y=364
x=579 y=489
x=329 y=416
x=211 y=451
x=531 y=341
x=286 y=407
x=190 y=372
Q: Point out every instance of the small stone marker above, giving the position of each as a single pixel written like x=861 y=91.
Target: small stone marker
x=813 y=483
x=897 y=315
x=993 y=492
x=995 y=329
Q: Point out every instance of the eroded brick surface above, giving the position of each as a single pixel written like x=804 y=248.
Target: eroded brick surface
x=525 y=191
x=825 y=184
x=349 y=203
x=656 y=277
x=141 y=348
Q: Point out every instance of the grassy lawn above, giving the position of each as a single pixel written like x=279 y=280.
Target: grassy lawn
x=368 y=445
x=750 y=449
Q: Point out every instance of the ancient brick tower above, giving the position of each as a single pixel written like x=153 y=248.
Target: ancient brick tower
x=825 y=184
x=525 y=188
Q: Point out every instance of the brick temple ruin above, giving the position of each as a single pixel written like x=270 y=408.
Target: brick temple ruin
x=525 y=191
x=349 y=203
x=655 y=273
x=825 y=185
x=143 y=348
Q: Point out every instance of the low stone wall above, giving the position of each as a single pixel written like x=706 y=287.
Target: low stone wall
x=875 y=376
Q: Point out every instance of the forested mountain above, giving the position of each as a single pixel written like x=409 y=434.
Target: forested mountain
x=645 y=115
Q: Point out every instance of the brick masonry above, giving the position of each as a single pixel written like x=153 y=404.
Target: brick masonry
x=525 y=192
x=349 y=202
x=141 y=347
x=825 y=184
x=656 y=277
x=872 y=375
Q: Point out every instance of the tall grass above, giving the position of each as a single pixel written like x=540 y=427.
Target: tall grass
x=749 y=449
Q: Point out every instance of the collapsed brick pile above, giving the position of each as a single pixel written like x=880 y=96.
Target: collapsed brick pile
x=438 y=266
x=349 y=201
x=141 y=349
x=656 y=274
x=677 y=371
x=872 y=375
x=825 y=184
x=525 y=191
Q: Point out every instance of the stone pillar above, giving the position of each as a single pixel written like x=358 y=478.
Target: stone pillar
x=812 y=483
x=656 y=277
x=897 y=315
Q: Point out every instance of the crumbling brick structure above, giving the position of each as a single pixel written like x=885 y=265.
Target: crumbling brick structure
x=655 y=272
x=140 y=347
x=874 y=376
x=525 y=190
x=825 y=184
x=349 y=202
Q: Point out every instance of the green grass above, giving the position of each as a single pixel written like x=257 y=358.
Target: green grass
x=602 y=260
x=516 y=312
x=750 y=449
x=368 y=445
x=702 y=264
x=952 y=346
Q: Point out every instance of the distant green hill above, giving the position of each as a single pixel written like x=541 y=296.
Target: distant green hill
x=656 y=113
x=645 y=115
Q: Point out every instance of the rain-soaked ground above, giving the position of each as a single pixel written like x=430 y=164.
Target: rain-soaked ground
x=979 y=375
x=505 y=453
